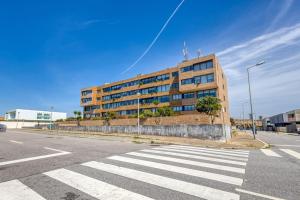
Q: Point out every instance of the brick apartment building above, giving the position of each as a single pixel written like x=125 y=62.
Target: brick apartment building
x=178 y=87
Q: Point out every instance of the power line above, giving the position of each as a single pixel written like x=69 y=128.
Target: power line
x=155 y=39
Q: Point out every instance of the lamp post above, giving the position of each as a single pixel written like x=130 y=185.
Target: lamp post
x=250 y=96
x=138 y=111
x=51 y=121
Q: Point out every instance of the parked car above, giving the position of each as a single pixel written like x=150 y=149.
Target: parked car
x=2 y=128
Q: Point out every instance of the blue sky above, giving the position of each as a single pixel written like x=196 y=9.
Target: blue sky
x=49 y=50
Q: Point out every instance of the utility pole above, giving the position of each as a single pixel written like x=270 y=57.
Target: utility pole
x=51 y=121
x=138 y=111
x=250 y=96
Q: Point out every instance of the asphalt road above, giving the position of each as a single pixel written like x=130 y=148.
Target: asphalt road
x=40 y=166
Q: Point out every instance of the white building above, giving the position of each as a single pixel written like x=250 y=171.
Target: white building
x=34 y=115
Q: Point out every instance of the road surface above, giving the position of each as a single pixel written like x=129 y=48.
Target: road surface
x=39 y=166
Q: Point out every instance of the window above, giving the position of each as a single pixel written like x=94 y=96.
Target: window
x=175 y=86
x=86 y=92
x=106 y=89
x=204 y=93
x=177 y=108
x=176 y=96
x=98 y=98
x=163 y=88
x=203 y=65
x=189 y=108
x=86 y=100
x=188 y=95
x=210 y=78
x=175 y=74
x=204 y=79
x=186 y=81
x=106 y=98
x=164 y=99
x=187 y=69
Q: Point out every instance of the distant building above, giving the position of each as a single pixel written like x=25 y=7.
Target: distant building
x=178 y=87
x=1 y=118
x=34 y=115
x=246 y=123
x=285 y=122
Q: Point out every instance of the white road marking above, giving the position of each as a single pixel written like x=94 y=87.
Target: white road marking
x=181 y=170
x=258 y=194
x=17 y=142
x=291 y=152
x=202 y=153
x=269 y=152
x=196 y=157
x=286 y=145
x=211 y=151
x=189 y=162
x=15 y=190
x=169 y=183
x=93 y=187
x=61 y=153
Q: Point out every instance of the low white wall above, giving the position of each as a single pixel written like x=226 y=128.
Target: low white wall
x=20 y=124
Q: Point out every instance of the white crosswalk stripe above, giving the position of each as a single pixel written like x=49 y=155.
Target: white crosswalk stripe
x=217 y=151
x=15 y=190
x=203 y=153
x=182 y=170
x=232 y=151
x=190 y=162
x=169 y=183
x=292 y=153
x=93 y=187
x=173 y=161
x=196 y=157
x=269 y=152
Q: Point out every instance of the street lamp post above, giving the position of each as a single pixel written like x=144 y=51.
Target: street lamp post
x=250 y=95
x=138 y=111
x=51 y=121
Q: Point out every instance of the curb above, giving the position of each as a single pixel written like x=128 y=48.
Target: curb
x=266 y=145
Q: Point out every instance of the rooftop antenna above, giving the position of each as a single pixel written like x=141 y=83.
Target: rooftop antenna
x=199 y=53
x=185 y=52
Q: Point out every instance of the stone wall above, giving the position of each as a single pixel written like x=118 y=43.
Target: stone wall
x=214 y=132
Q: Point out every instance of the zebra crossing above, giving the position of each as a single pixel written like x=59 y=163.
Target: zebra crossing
x=281 y=153
x=196 y=172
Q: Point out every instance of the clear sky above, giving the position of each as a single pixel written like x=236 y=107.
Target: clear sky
x=49 y=50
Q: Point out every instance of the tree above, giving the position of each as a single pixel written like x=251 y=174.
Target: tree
x=210 y=106
x=108 y=116
x=164 y=111
x=232 y=121
x=77 y=115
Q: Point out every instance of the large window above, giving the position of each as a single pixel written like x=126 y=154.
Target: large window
x=86 y=92
x=198 y=66
x=175 y=74
x=189 y=107
x=203 y=65
x=176 y=96
x=177 y=108
x=204 y=93
x=86 y=100
x=204 y=79
x=175 y=86
x=188 y=95
x=186 y=81
x=187 y=69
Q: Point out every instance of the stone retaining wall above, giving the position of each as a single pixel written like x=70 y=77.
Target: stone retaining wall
x=214 y=132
